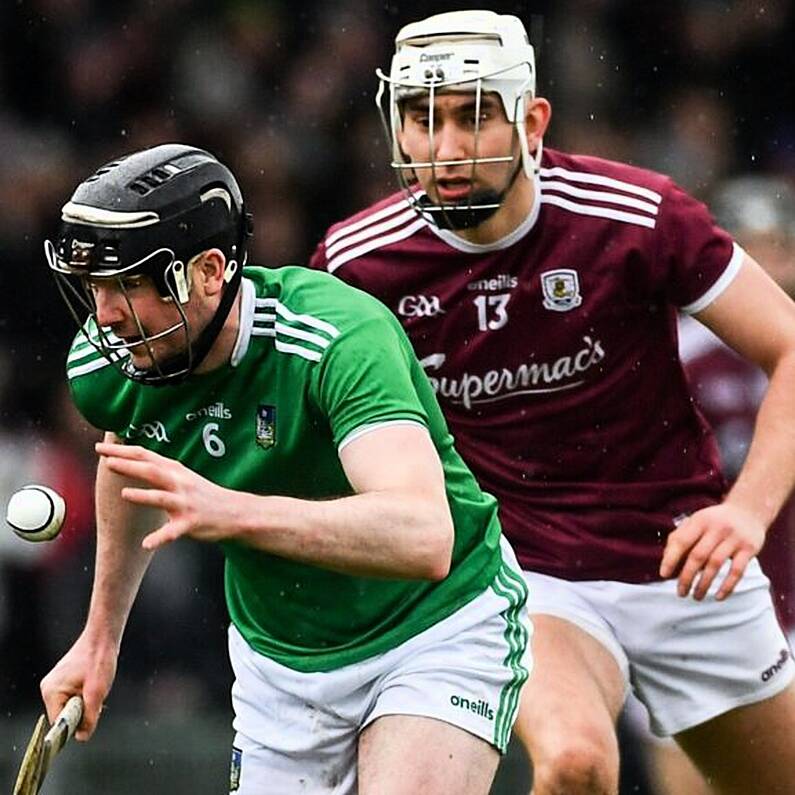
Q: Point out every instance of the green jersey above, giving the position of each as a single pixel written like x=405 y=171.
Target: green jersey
x=316 y=363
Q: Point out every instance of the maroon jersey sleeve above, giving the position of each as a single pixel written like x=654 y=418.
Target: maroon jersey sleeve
x=696 y=259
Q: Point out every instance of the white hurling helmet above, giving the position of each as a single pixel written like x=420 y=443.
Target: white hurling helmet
x=468 y=51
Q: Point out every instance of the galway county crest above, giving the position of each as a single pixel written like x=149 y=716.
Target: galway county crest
x=561 y=289
x=266 y=426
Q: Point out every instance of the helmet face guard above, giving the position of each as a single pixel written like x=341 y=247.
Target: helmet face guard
x=153 y=234
x=79 y=299
x=469 y=52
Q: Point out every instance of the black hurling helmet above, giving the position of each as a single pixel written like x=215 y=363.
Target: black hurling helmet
x=150 y=213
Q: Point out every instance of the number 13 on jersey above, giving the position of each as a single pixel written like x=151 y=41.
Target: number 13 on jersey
x=492 y=311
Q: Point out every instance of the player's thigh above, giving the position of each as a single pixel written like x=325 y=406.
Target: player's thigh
x=668 y=767
x=672 y=772
x=444 y=759
x=575 y=693
x=748 y=749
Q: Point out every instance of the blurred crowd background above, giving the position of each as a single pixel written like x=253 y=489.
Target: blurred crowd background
x=283 y=92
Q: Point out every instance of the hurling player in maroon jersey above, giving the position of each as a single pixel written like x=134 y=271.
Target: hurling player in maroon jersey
x=540 y=290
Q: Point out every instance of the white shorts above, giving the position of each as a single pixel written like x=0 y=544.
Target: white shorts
x=298 y=732
x=686 y=661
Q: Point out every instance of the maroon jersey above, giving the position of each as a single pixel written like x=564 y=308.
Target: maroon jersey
x=553 y=353
x=728 y=390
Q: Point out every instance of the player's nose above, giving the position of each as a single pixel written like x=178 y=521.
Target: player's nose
x=449 y=143
x=110 y=305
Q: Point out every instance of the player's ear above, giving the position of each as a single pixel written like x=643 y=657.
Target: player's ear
x=209 y=270
x=537 y=115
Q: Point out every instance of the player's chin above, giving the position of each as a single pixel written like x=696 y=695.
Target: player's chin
x=141 y=358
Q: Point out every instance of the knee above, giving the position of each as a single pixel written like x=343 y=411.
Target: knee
x=580 y=767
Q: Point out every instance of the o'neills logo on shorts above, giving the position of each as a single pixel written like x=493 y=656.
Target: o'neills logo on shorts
x=479 y=707
x=769 y=673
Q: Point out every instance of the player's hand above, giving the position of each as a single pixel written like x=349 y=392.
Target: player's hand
x=704 y=541
x=88 y=670
x=195 y=506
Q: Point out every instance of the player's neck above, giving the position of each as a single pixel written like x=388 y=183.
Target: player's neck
x=515 y=208
x=221 y=351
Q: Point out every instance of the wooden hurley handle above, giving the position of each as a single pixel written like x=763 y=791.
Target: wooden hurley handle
x=65 y=725
x=42 y=747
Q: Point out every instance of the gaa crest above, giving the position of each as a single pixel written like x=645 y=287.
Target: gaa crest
x=266 y=426
x=561 y=289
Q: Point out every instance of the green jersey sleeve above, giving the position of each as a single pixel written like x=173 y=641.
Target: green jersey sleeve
x=365 y=378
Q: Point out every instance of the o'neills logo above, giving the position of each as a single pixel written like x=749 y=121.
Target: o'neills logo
x=217 y=411
x=503 y=281
x=479 y=707
x=527 y=379
x=769 y=673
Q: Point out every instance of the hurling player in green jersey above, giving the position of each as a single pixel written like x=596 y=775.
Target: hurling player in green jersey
x=378 y=635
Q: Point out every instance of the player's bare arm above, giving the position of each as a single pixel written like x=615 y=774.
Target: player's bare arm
x=89 y=667
x=756 y=318
x=398 y=524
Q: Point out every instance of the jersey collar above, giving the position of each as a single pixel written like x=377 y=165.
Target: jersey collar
x=247 y=294
x=517 y=234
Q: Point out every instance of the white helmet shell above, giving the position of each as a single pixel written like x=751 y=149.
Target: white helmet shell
x=455 y=50
x=467 y=51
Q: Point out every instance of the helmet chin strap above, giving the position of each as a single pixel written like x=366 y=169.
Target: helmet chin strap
x=479 y=207
x=177 y=368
